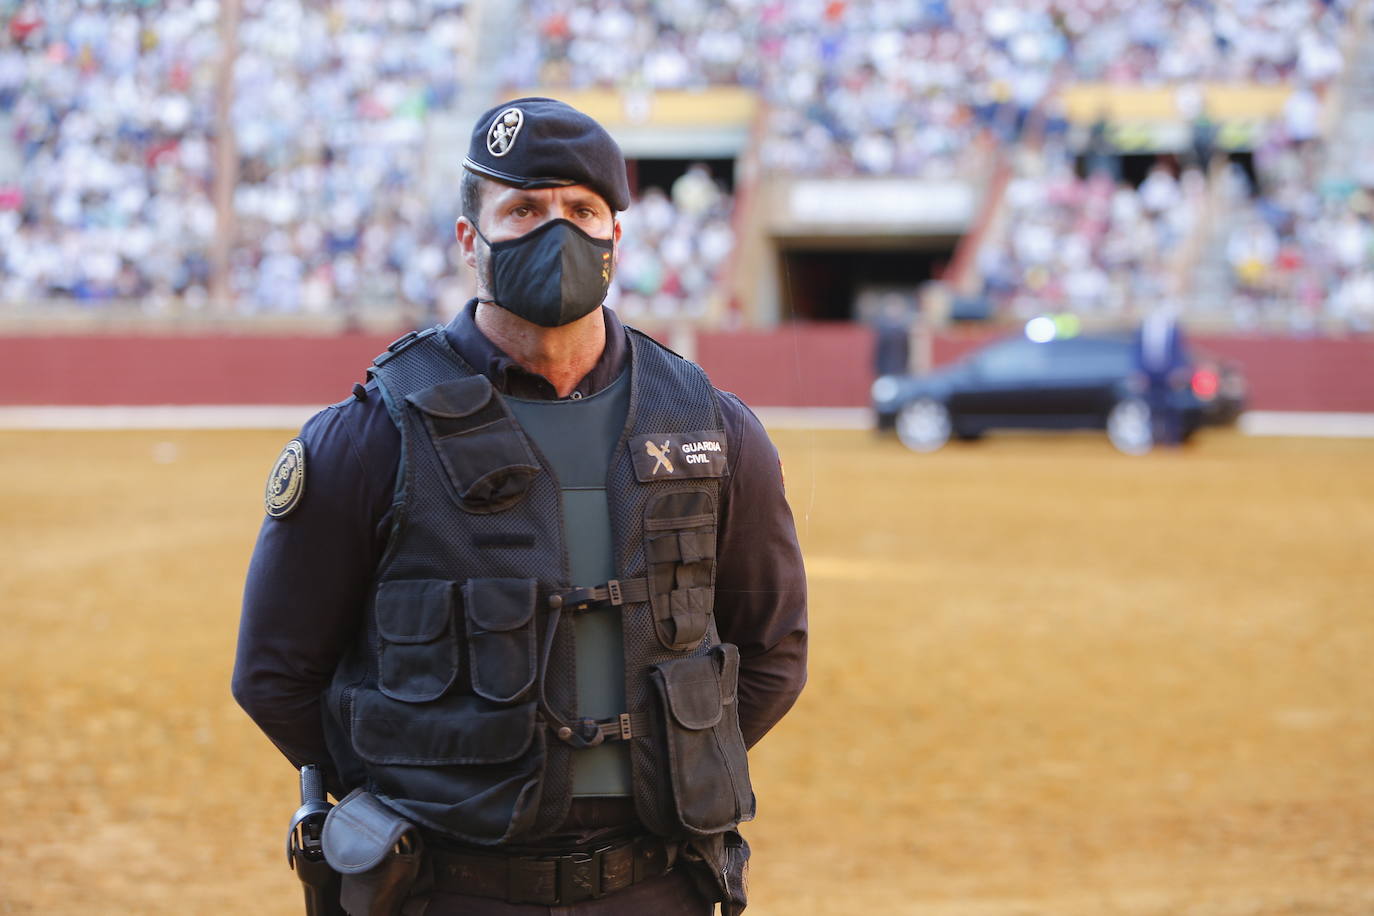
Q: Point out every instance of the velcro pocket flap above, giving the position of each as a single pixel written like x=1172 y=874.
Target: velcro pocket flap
x=481 y=449
x=359 y=832
x=456 y=729
x=692 y=689
x=498 y=604
x=453 y=399
x=682 y=546
x=414 y=610
x=501 y=636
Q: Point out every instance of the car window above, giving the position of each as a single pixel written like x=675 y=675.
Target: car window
x=1013 y=359
x=1091 y=359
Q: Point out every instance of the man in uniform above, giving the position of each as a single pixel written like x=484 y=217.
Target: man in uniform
x=534 y=588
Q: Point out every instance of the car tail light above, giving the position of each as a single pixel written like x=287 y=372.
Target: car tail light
x=1205 y=384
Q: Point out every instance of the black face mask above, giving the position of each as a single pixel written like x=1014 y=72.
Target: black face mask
x=552 y=275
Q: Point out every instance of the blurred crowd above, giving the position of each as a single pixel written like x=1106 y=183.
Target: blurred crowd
x=903 y=86
x=1302 y=247
x=1091 y=244
x=112 y=108
x=673 y=247
x=112 y=112
x=1293 y=247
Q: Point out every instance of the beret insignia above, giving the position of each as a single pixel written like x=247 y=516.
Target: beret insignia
x=286 y=483
x=501 y=136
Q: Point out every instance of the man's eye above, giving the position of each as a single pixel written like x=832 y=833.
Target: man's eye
x=586 y=213
x=521 y=211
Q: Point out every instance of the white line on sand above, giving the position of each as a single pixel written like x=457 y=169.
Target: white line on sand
x=1292 y=423
x=248 y=416
x=210 y=416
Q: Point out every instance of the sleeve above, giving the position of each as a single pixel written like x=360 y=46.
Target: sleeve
x=308 y=580
x=760 y=580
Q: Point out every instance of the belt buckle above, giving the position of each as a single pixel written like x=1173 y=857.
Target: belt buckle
x=579 y=876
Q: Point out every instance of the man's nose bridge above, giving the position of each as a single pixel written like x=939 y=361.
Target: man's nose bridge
x=558 y=208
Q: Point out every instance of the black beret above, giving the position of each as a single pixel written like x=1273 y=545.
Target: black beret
x=545 y=143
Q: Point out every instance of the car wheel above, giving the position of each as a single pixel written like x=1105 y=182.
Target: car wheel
x=923 y=425
x=1129 y=426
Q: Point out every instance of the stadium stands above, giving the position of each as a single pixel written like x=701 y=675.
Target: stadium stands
x=107 y=188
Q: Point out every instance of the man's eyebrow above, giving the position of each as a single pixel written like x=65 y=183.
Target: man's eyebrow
x=587 y=197
x=520 y=196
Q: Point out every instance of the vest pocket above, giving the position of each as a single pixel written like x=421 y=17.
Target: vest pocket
x=501 y=639
x=708 y=767
x=680 y=555
x=461 y=764
x=482 y=451
x=455 y=730
x=417 y=656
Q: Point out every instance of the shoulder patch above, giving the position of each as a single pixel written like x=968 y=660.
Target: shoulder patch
x=286 y=483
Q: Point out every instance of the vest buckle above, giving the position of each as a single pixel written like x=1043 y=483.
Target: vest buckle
x=402 y=341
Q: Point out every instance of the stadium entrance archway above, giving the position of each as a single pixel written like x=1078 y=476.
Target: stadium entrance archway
x=823 y=281
x=661 y=173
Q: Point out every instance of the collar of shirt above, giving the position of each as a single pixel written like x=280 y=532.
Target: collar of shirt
x=509 y=377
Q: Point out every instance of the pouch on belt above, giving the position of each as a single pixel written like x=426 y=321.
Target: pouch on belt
x=378 y=853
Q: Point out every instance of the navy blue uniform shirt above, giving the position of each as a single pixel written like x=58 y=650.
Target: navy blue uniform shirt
x=312 y=571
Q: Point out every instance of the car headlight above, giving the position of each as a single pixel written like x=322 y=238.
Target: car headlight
x=885 y=389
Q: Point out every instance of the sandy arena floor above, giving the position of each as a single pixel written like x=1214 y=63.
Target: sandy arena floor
x=1046 y=679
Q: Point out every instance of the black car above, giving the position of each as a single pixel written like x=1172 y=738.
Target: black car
x=1079 y=382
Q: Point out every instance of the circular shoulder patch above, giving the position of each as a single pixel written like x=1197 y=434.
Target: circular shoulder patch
x=286 y=483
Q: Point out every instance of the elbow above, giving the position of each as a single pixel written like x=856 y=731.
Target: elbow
x=254 y=693
x=244 y=693
x=799 y=686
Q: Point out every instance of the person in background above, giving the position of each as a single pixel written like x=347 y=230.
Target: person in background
x=1160 y=352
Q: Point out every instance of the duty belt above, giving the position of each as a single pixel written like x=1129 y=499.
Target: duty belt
x=553 y=880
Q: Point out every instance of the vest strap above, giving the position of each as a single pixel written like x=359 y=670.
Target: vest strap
x=403 y=342
x=586 y=733
x=615 y=592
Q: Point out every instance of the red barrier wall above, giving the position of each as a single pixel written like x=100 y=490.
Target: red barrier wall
x=821 y=365
x=184 y=370
x=817 y=365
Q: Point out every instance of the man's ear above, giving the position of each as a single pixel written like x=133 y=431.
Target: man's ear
x=467 y=241
x=615 y=238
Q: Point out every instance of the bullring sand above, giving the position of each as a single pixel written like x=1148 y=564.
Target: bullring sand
x=1045 y=679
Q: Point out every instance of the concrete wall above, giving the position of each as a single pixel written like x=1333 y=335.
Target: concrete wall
x=799 y=366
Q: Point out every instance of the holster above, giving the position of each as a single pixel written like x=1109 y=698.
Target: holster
x=736 y=875
x=719 y=866
x=379 y=855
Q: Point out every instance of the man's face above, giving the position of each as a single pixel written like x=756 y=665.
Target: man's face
x=508 y=213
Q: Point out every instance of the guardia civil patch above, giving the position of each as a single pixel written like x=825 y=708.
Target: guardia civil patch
x=286 y=483
x=672 y=456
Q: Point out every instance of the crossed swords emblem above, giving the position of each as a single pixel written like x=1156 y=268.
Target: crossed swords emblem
x=660 y=455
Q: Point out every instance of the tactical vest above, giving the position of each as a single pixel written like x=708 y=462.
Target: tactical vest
x=458 y=705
